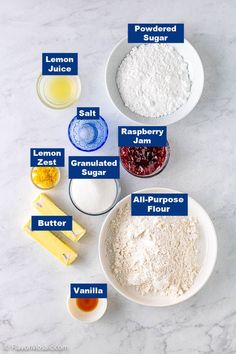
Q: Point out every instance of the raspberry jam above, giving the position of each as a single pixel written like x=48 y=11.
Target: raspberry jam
x=144 y=161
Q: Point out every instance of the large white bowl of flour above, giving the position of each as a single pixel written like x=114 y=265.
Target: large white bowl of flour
x=141 y=86
x=207 y=247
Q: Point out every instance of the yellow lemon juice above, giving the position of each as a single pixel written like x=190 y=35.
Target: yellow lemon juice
x=61 y=90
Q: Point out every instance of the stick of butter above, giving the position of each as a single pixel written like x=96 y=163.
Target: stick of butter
x=55 y=246
x=46 y=207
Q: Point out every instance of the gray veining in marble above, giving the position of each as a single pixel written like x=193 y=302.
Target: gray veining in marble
x=34 y=285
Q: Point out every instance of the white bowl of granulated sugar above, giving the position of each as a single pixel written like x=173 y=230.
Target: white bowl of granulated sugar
x=154 y=260
x=154 y=84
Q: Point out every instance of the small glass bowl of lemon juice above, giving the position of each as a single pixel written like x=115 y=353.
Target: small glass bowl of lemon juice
x=58 y=91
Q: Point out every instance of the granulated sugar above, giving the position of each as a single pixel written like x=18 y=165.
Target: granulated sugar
x=153 y=80
x=154 y=254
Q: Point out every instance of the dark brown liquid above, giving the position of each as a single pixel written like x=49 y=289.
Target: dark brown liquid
x=86 y=304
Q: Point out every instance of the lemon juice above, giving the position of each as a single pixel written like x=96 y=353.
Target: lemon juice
x=59 y=91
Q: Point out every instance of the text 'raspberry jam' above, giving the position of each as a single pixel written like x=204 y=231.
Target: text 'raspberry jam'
x=144 y=161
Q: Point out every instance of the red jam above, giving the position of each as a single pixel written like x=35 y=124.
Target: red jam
x=143 y=161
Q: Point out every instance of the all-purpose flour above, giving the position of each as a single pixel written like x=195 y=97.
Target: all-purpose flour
x=153 y=80
x=154 y=254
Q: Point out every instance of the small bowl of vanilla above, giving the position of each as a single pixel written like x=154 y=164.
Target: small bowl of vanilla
x=87 y=310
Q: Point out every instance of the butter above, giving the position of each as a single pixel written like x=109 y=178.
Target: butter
x=55 y=246
x=46 y=207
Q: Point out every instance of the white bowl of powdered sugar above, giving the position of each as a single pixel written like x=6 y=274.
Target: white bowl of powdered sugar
x=154 y=84
x=155 y=260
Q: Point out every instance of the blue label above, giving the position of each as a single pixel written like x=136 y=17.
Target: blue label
x=47 y=157
x=156 y=33
x=159 y=204
x=141 y=136
x=94 y=167
x=51 y=222
x=60 y=63
x=88 y=290
x=88 y=112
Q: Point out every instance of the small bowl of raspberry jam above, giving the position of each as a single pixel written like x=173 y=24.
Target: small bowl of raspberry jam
x=144 y=161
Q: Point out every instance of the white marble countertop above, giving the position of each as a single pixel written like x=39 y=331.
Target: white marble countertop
x=34 y=285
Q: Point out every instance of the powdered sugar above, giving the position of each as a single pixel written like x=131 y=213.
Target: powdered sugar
x=154 y=254
x=153 y=80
